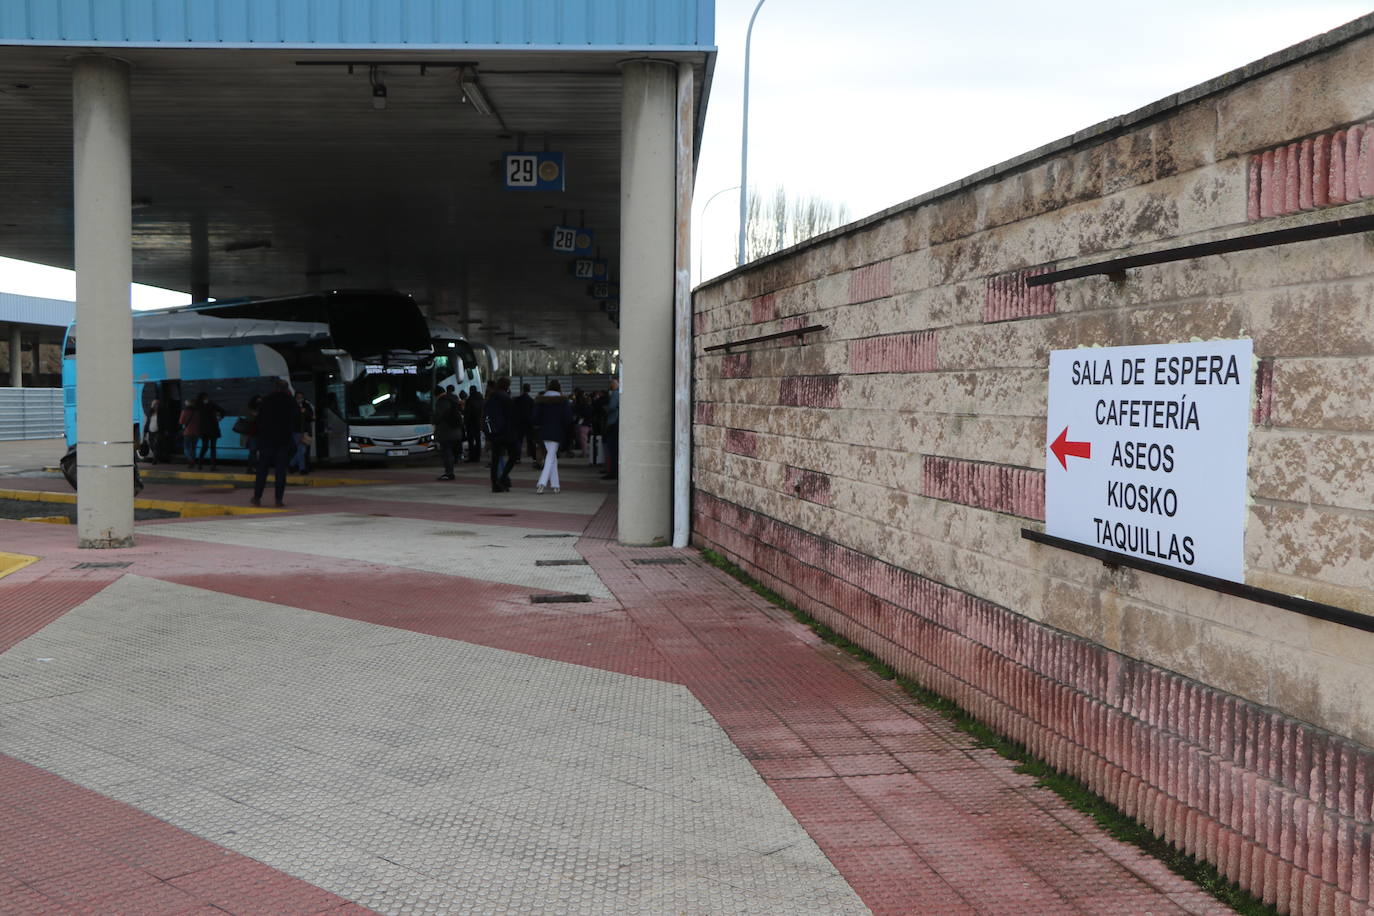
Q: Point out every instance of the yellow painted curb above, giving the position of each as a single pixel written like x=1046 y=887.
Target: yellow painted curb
x=48 y=519
x=13 y=562
x=293 y=480
x=38 y=496
x=181 y=508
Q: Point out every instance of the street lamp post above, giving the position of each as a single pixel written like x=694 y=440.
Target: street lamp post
x=744 y=140
x=700 y=267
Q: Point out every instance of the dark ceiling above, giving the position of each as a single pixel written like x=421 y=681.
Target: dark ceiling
x=286 y=148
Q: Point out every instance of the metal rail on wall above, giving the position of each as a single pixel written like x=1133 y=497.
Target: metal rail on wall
x=799 y=333
x=1239 y=589
x=1117 y=267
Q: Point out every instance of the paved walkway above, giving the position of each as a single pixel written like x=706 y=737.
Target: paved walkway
x=359 y=706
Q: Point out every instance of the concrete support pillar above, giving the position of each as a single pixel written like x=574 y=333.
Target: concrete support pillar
x=104 y=270
x=16 y=357
x=200 y=259
x=36 y=365
x=648 y=220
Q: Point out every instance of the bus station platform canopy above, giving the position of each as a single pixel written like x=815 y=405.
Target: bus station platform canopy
x=285 y=145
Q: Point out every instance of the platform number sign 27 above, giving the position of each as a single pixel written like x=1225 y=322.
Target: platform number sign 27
x=532 y=171
x=589 y=268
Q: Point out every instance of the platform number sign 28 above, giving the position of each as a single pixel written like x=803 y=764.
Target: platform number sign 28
x=564 y=239
x=573 y=240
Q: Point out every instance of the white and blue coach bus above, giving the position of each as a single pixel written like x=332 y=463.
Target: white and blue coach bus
x=456 y=362
x=362 y=357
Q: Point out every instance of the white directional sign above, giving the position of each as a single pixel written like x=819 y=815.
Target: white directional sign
x=1147 y=452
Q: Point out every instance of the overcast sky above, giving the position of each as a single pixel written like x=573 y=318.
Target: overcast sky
x=872 y=102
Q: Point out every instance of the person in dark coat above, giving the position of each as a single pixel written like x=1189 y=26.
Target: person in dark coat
x=300 y=459
x=553 y=415
x=524 y=418
x=473 y=412
x=279 y=421
x=189 y=423
x=208 y=414
x=612 y=434
x=498 y=417
x=448 y=429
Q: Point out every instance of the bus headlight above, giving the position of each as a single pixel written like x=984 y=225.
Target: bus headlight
x=361 y=441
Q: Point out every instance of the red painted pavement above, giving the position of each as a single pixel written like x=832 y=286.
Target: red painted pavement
x=916 y=818
x=65 y=849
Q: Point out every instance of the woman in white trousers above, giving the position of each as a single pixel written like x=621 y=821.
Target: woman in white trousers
x=553 y=415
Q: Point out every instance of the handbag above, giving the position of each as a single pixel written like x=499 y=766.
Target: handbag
x=243 y=426
x=306 y=438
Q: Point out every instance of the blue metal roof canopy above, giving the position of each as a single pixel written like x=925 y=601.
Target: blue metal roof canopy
x=410 y=24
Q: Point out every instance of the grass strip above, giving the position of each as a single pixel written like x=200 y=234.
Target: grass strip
x=1077 y=795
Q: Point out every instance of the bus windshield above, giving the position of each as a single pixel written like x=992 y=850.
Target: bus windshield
x=392 y=394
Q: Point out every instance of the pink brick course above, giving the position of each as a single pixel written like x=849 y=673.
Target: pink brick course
x=999 y=487
x=912 y=352
x=871 y=282
x=741 y=442
x=735 y=365
x=1332 y=168
x=1280 y=806
x=1007 y=297
x=764 y=308
x=810 y=391
x=1264 y=392
x=812 y=486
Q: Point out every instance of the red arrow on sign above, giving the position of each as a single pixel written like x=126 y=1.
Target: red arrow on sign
x=1063 y=448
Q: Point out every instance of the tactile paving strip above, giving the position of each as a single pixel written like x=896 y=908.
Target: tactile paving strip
x=405 y=772
x=492 y=553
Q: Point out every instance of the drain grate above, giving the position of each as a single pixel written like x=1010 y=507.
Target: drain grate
x=560 y=562
x=660 y=561
x=548 y=535
x=559 y=599
x=116 y=564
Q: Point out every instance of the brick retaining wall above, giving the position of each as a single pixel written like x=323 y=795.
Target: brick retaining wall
x=879 y=474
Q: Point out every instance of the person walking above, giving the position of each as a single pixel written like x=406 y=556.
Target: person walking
x=553 y=415
x=473 y=415
x=582 y=420
x=498 y=418
x=152 y=431
x=208 y=416
x=612 y=435
x=448 y=429
x=304 y=437
x=189 y=421
x=279 y=420
x=249 y=438
x=524 y=418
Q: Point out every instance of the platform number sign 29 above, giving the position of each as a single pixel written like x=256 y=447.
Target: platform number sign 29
x=522 y=170
x=532 y=171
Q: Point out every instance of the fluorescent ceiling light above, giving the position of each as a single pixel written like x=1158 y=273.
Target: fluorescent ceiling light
x=473 y=92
